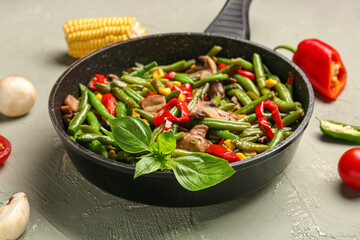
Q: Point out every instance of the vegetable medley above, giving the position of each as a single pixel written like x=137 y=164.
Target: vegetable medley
x=193 y=116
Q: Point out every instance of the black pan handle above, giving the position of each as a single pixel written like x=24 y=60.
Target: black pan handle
x=233 y=20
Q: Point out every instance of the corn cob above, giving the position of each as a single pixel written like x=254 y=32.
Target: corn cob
x=85 y=35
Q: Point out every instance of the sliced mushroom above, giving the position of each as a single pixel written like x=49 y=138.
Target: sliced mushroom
x=210 y=109
x=236 y=102
x=72 y=102
x=194 y=140
x=216 y=88
x=153 y=103
x=14 y=216
x=203 y=63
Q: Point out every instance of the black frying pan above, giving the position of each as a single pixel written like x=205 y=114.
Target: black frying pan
x=229 y=30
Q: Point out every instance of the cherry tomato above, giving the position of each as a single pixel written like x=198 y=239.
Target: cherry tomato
x=5 y=149
x=349 y=167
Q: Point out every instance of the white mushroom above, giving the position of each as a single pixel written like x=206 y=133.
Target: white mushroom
x=14 y=216
x=17 y=96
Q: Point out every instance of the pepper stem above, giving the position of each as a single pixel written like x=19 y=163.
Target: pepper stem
x=290 y=48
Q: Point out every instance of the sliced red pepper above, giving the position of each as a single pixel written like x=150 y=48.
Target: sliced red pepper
x=242 y=72
x=109 y=102
x=222 y=66
x=151 y=94
x=99 y=78
x=290 y=80
x=259 y=110
x=223 y=152
x=186 y=90
x=168 y=124
x=163 y=113
x=170 y=75
x=322 y=64
x=5 y=149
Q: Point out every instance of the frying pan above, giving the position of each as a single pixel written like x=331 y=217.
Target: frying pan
x=230 y=30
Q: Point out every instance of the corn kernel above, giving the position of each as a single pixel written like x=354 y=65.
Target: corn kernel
x=241 y=156
x=164 y=91
x=158 y=74
x=269 y=83
x=229 y=144
x=214 y=58
x=176 y=83
x=144 y=89
x=145 y=120
x=241 y=116
x=182 y=97
x=98 y=95
x=249 y=153
x=135 y=114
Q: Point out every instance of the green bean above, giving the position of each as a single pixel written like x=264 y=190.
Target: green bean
x=287 y=134
x=136 y=80
x=156 y=84
x=223 y=102
x=230 y=86
x=88 y=129
x=146 y=115
x=222 y=134
x=89 y=137
x=194 y=76
x=84 y=100
x=214 y=51
x=217 y=76
x=82 y=88
x=259 y=71
x=229 y=69
x=204 y=90
x=243 y=63
x=92 y=120
x=282 y=90
x=177 y=67
x=78 y=119
x=179 y=152
x=141 y=71
x=228 y=107
x=278 y=137
x=223 y=60
x=292 y=117
x=286 y=106
x=240 y=95
x=249 y=146
x=252 y=95
x=183 y=78
x=96 y=147
x=250 y=108
x=173 y=94
x=103 y=87
x=252 y=117
x=118 y=83
x=247 y=84
x=145 y=92
x=216 y=99
x=179 y=135
x=122 y=96
x=130 y=107
x=234 y=126
x=253 y=138
x=133 y=94
x=156 y=132
x=188 y=64
x=195 y=98
x=120 y=109
x=100 y=108
x=252 y=132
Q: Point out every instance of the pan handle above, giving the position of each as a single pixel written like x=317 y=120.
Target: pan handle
x=233 y=20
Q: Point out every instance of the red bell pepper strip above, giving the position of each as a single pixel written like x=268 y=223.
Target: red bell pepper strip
x=109 y=102
x=242 y=72
x=322 y=64
x=163 y=113
x=169 y=75
x=151 y=94
x=186 y=90
x=99 y=78
x=168 y=124
x=259 y=110
x=223 y=152
x=5 y=149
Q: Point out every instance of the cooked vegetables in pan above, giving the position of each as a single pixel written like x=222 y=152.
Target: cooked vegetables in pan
x=193 y=116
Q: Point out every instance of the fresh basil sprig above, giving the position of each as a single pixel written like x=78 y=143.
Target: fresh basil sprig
x=195 y=171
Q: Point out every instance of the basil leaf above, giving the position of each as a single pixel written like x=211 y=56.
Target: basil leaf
x=153 y=146
x=166 y=142
x=198 y=171
x=132 y=134
x=147 y=164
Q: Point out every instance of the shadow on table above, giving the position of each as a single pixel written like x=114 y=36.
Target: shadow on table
x=81 y=210
x=348 y=192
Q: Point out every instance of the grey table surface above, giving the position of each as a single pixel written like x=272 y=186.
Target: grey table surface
x=307 y=201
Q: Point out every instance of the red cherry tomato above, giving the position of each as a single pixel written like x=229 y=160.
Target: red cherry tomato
x=5 y=149
x=349 y=167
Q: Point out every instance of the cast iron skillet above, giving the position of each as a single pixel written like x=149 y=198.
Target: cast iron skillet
x=161 y=188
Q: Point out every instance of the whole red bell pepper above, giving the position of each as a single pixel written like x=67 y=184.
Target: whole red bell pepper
x=259 y=111
x=109 y=102
x=322 y=64
x=5 y=149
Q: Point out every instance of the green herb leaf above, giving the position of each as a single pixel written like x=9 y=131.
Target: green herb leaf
x=147 y=164
x=166 y=142
x=198 y=171
x=107 y=133
x=132 y=134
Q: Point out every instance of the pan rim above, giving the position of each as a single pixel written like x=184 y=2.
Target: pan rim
x=125 y=167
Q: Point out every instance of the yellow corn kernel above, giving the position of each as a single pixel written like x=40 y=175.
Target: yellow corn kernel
x=144 y=89
x=241 y=116
x=135 y=114
x=214 y=58
x=269 y=83
x=164 y=91
x=146 y=121
x=229 y=144
x=85 y=35
x=241 y=156
x=176 y=83
x=158 y=74
x=249 y=153
x=182 y=97
x=98 y=95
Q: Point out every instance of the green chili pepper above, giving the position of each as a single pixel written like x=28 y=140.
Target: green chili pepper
x=78 y=119
x=340 y=130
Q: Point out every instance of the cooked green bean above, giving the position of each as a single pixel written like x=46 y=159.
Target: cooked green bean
x=78 y=119
x=250 y=108
x=243 y=98
x=222 y=134
x=92 y=120
x=183 y=78
x=278 y=137
x=98 y=148
x=259 y=71
x=214 y=51
x=141 y=71
x=89 y=137
x=215 y=77
x=176 y=66
x=145 y=115
x=133 y=94
x=173 y=94
x=281 y=89
x=249 y=146
x=88 y=129
x=286 y=106
x=122 y=96
x=179 y=135
x=247 y=84
x=84 y=100
x=120 y=109
x=293 y=117
x=103 y=87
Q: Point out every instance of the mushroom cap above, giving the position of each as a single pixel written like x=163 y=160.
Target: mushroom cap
x=17 y=96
